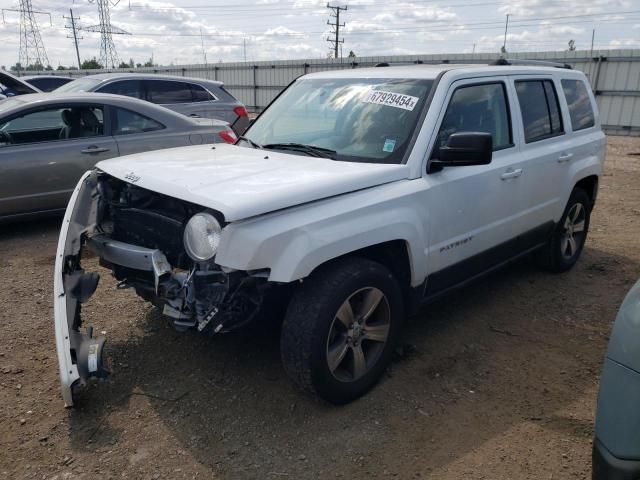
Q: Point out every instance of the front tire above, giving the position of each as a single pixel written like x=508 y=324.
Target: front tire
x=565 y=245
x=340 y=329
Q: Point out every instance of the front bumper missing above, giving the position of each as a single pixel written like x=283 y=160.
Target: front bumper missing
x=79 y=354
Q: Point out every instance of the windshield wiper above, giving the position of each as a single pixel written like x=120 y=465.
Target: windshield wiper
x=250 y=142
x=311 y=150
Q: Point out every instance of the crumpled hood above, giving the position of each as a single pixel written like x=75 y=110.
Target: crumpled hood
x=243 y=182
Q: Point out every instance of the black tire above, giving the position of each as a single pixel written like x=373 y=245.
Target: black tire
x=554 y=256
x=310 y=318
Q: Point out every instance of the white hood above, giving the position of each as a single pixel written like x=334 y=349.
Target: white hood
x=243 y=182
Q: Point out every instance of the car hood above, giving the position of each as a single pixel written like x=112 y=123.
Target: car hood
x=243 y=182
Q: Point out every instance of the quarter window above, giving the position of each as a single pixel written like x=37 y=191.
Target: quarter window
x=128 y=122
x=579 y=103
x=478 y=108
x=200 y=94
x=540 y=109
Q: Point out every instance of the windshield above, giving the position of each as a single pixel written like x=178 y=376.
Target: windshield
x=362 y=119
x=86 y=84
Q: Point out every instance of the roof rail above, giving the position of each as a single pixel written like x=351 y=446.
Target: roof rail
x=533 y=63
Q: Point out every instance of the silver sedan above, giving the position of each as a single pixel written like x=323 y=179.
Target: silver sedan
x=47 y=141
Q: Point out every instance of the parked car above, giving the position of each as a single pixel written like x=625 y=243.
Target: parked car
x=47 y=83
x=47 y=141
x=10 y=86
x=616 y=447
x=194 y=97
x=355 y=197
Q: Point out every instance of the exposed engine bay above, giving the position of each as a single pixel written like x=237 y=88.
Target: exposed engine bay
x=138 y=235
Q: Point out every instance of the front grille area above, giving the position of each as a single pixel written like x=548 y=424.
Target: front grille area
x=148 y=219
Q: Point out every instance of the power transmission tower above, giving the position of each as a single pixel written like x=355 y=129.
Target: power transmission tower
x=336 y=14
x=32 y=50
x=108 y=55
x=74 y=29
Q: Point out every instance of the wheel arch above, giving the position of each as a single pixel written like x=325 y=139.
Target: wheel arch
x=590 y=185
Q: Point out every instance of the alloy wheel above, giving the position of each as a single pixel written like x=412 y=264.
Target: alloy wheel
x=358 y=334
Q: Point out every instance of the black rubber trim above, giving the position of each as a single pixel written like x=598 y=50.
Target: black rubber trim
x=605 y=466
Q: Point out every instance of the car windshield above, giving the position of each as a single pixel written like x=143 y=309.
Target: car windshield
x=367 y=120
x=81 y=85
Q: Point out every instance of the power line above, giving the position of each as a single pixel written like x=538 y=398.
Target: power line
x=74 y=29
x=336 y=14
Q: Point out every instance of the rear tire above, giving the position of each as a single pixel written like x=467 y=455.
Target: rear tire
x=340 y=329
x=565 y=245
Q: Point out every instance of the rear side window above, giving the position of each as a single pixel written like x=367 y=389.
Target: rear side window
x=579 y=103
x=540 y=109
x=128 y=122
x=478 y=108
x=199 y=94
x=164 y=92
x=129 y=88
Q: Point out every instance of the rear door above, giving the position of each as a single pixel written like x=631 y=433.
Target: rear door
x=42 y=158
x=136 y=133
x=475 y=211
x=547 y=148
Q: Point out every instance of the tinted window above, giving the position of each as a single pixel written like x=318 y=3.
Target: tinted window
x=200 y=94
x=161 y=91
x=128 y=122
x=579 y=104
x=48 y=84
x=54 y=124
x=130 y=88
x=540 y=111
x=478 y=108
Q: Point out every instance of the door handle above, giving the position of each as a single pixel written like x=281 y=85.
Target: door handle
x=94 y=149
x=565 y=157
x=511 y=174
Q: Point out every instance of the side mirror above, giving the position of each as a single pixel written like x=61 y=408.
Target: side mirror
x=464 y=149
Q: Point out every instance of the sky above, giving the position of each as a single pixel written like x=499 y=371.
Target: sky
x=183 y=32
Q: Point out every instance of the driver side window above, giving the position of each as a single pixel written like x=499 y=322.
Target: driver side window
x=477 y=108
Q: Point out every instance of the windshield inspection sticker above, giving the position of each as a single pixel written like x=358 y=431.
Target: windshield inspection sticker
x=390 y=99
x=389 y=145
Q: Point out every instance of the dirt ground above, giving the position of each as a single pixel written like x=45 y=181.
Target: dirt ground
x=498 y=381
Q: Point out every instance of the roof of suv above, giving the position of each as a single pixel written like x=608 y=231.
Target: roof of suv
x=430 y=72
x=150 y=76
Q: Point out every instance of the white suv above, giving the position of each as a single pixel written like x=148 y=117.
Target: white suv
x=356 y=196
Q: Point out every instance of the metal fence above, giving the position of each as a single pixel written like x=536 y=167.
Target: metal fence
x=614 y=76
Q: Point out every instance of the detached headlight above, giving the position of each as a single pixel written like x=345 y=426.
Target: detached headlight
x=202 y=237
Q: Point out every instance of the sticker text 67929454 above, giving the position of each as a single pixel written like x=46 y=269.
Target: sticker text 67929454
x=390 y=99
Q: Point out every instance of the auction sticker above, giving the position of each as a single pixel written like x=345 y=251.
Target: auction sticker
x=390 y=99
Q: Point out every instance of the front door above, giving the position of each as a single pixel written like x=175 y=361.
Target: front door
x=474 y=211
x=44 y=152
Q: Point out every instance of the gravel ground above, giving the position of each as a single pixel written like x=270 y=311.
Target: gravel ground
x=498 y=381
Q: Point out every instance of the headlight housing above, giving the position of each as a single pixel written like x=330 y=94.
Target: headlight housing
x=202 y=237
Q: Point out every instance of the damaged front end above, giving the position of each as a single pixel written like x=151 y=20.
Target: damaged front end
x=138 y=235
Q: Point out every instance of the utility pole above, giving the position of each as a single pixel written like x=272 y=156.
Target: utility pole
x=75 y=35
x=204 y=52
x=336 y=14
x=506 y=27
x=593 y=36
x=474 y=49
x=244 y=49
